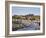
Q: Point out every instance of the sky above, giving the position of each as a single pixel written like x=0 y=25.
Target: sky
x=25 y=10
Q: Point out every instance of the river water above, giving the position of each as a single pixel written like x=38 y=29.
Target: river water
x=32 y=26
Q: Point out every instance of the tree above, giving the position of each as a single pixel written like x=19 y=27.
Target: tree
x=18 y=17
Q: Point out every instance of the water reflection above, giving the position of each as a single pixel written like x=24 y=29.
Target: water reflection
x=30 y=26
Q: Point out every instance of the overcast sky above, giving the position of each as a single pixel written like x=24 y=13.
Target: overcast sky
x=25 y=10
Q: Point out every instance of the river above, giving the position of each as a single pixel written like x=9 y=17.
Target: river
x=31 y=26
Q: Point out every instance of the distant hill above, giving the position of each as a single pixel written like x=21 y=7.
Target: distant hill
x=25 y=15
x=30 y=15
